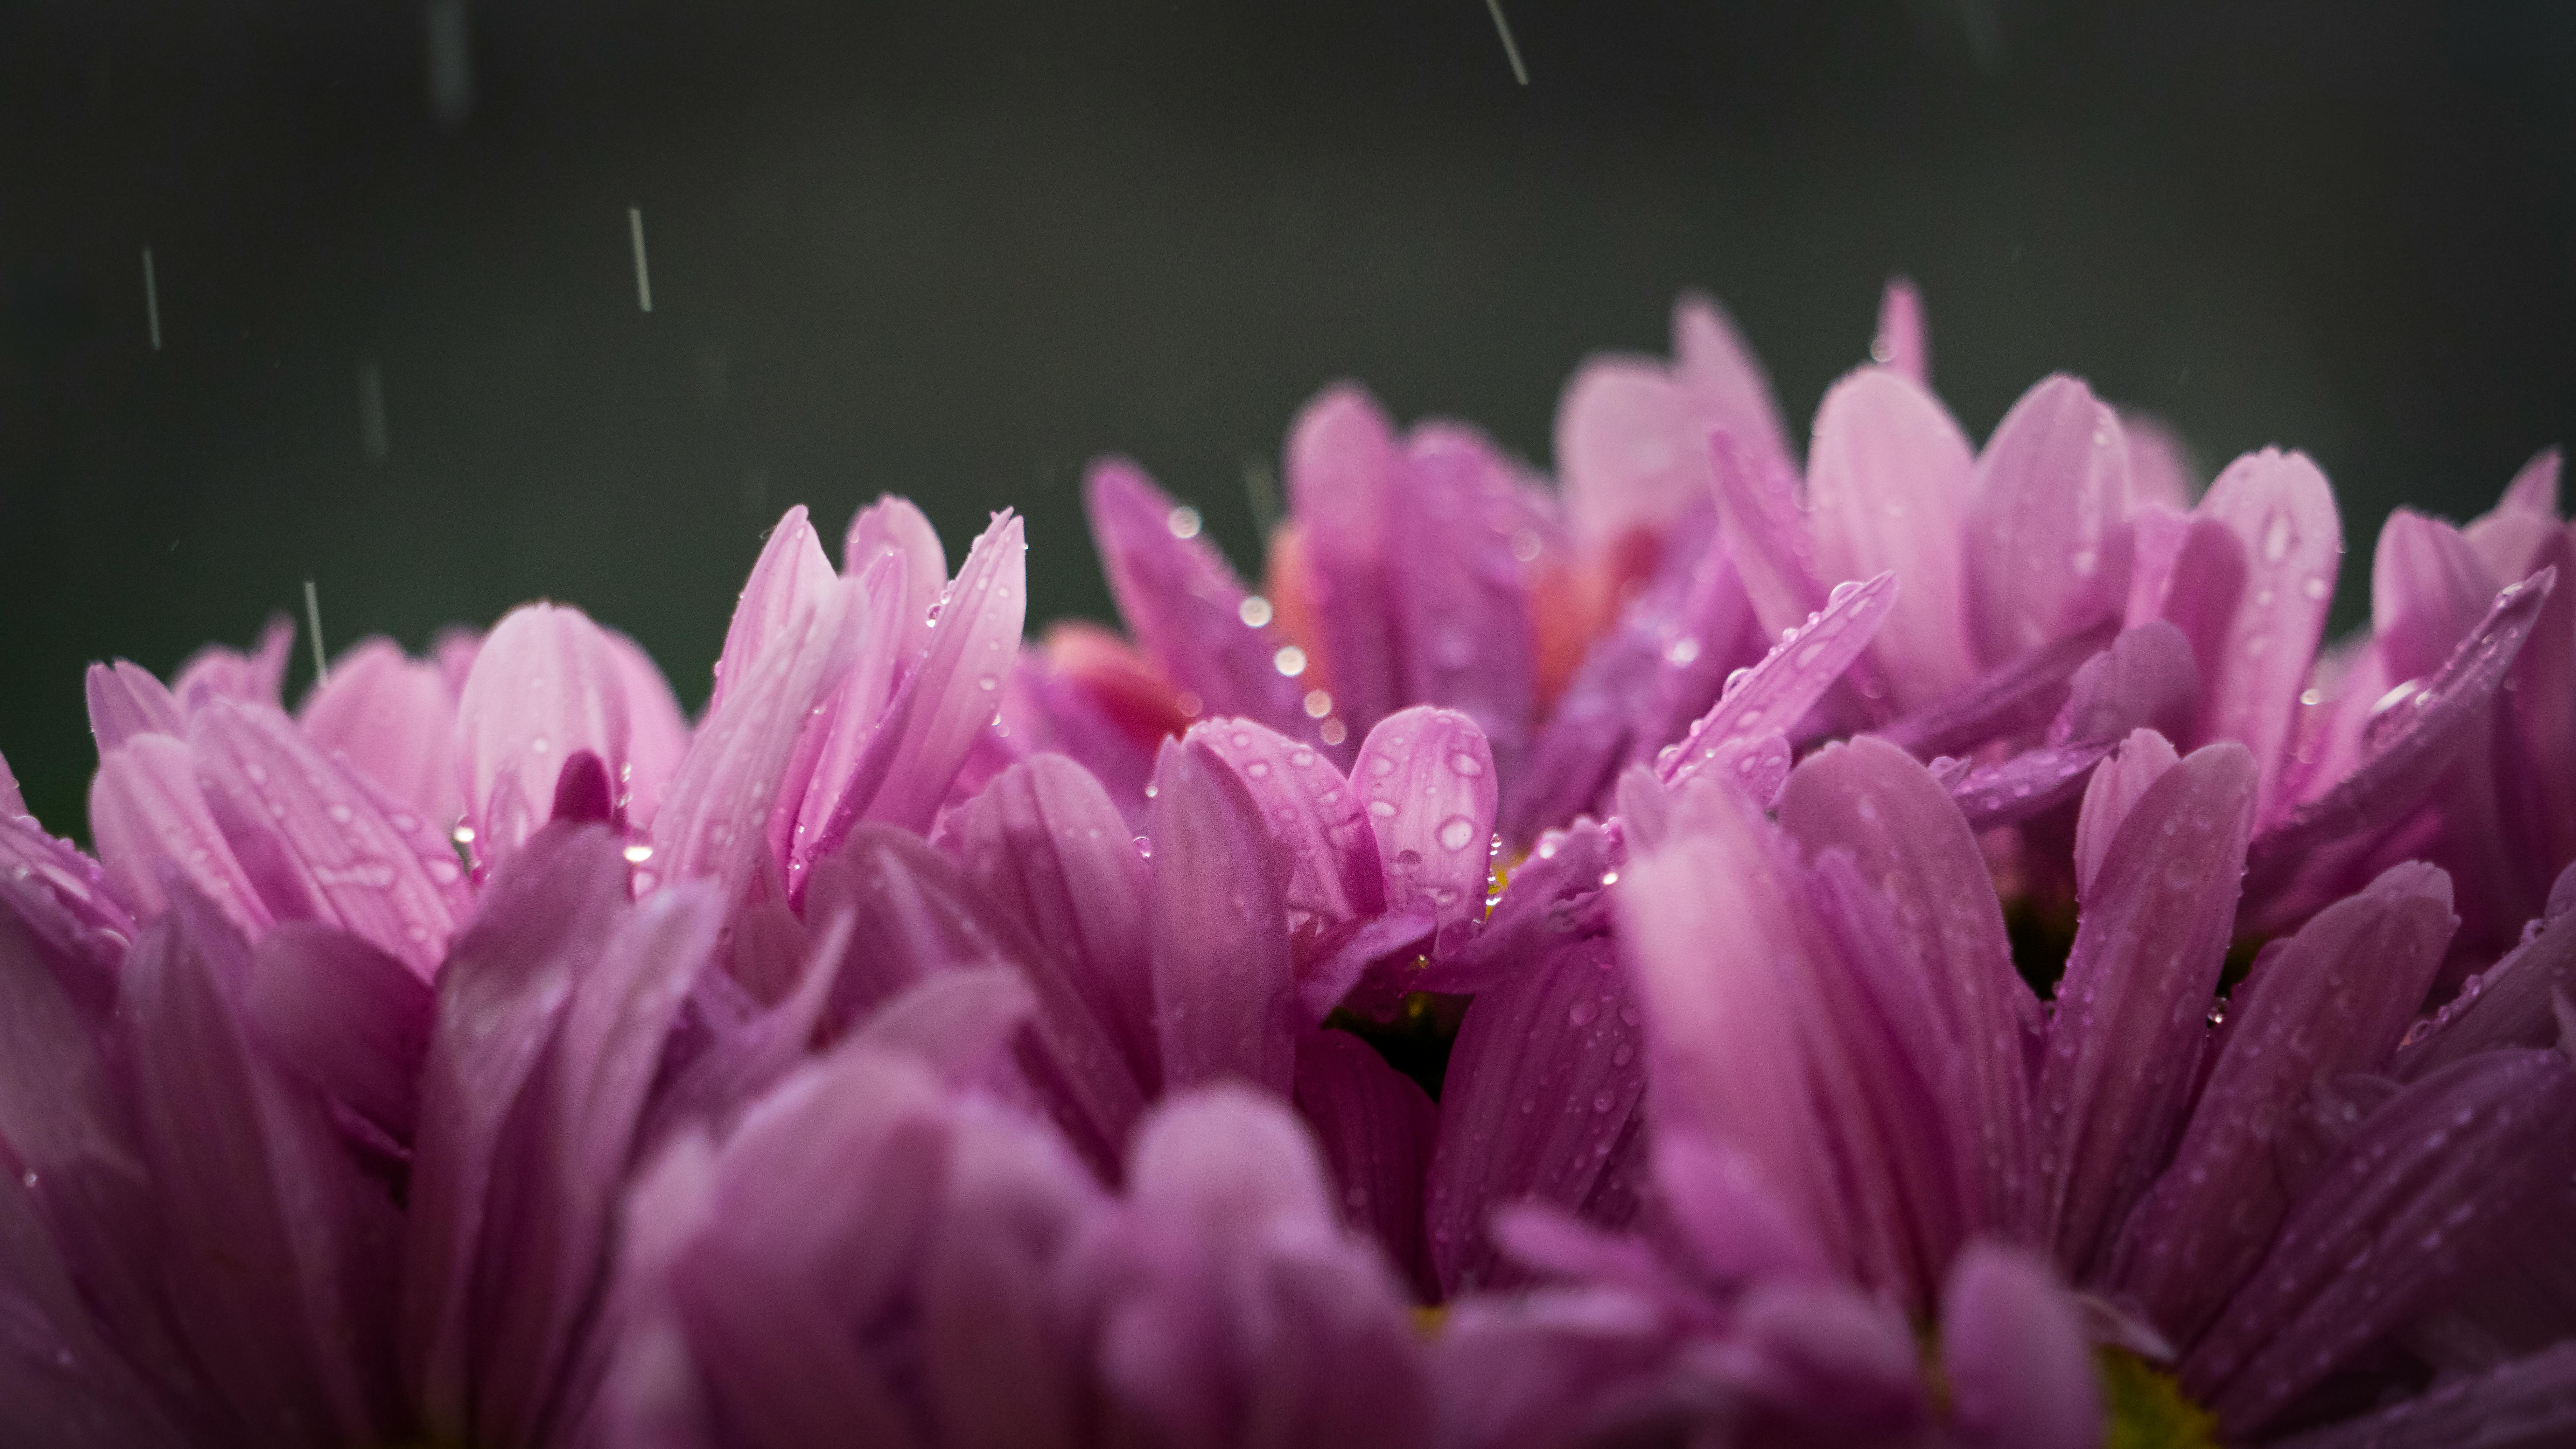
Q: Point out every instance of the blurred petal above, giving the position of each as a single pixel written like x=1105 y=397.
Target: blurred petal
x=1889 y=482
x=125 y=701
x=1903 y=342
x=1463 y=623
x=146 y=806
x=1722 y=376
x=349 y=1020
x=2013 y=1347
x=1631 y=446
x=217 y=672
x=657 y=734
x=1343 y=465
x=394 y=720
x=1225 y=1000
x=2529 y=1403
x=1376 y=1128
x=2047 y=540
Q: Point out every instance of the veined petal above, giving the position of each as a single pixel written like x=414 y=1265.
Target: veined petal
x=2016 y=1355
x=1225 y=1000
x=2015 y=697
x=1889 y=482
x=2131 y=1008
x=2282 y=511
x=1376 y=1129
x=1466 y=642
x=1343 y=465
x=2455 y=1162
x=1902 y=342
x=2527 y=1403
x=125 y=701
x=545 y=686
x=951 y=697
x=72 y=917
x=1336 y=873
x=893 y=526
x=791 y=578
x=1774 y=695
x=1725 y=379
x=381 y=874
x=2332 y=1000
x=1045 y=844
x=2047 y=541
x=394 y=720
x=2111 y=794
x=1427 y=778
x=857 y=709
x=1547 y=1069
x=146 y=806
x=272 y=1246
x=1184 y=604
x=1910 y=843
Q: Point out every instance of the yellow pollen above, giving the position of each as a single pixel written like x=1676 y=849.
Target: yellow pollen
x=2147 y=1407
x=1428 y=1321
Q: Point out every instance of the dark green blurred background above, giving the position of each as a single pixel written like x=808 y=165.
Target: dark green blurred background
x=956 y=249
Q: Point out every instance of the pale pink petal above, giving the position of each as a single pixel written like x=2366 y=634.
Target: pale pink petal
x=254 y=678
x=657 y=733
x=2111 y=794
x=1903 y=342
x=545 y=686
x=1466 y=641
x=147 y=807
x=858 y=706
x=1889 y=483
x=893 y=526
x=2162 y=471
x=1343 y=465
x=1725 y=379
x=125 y=701
x=1426 y=782
x=2283 y=513
x=1631 y=449
x=1767 y=531
x=1775 y=695
x=2047 y=542
x=393 y=720
x=791 y=578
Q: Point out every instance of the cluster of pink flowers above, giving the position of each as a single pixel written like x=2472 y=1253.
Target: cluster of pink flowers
x=1920 y=946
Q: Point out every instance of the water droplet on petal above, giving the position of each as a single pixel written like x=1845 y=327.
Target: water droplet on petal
x=1456 y=833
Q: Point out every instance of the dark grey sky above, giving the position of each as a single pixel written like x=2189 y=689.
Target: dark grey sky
x=957 y=249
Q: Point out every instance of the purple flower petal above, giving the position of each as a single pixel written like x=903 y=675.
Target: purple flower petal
x=1343 y=464
x=1713 y=364
x=1543 y=1369
x=1767 y=532
x=1547 y=1068
x=2162 y=472
x=1774 y=695
x=791 y=579
x=950 y=698
x=1911 y=845
x=1902 y=342
x=1046 y=846
x=857 y=709
x=349 y=1020
x=2129 y=1018
x=959 y=1023
x=2511 y=1004
x=125 y=701
x=146 y=806
x=71 y=917
x=2047 y=540
x=2146 y=679
x=273 y=1249
x=1888 y=484
x=1225 y=1000
x=1184 y=604
x=2331 y=1000
x=1376 y=1128
x=2188 y=570
x=1824 y=1364
x=1314 y=812
x=2111 y=794
x=394 y=720
x=2018 y=1360
x=2017 y=696
x=2283 y=513
x=893 y=526
x=545 y=687
x=657 y=734
x=1630 y=445
x=1464 y=626
x=1426 y=779
x=2456 y=1162
x=216 y=672
x=331 y=845
x=61 y=1382
x=2525 y=1404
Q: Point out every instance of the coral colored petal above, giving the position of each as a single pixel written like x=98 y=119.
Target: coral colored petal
x=1336 y=875
x=2330 y=1001
x=2283 y=514
x=1426 y=782
x=2047 y=542
x=2116 y=1076
x=1889 y=482
x=1225 y=999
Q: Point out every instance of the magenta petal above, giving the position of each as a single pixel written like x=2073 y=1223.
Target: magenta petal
x=1316 y=815
x=1910 y=844
x=2036 y=780
x=741 y=773
x=2016 y=1354
x=657 y=733
x=2047 y=537
x=2146 y=679
x=1826 y=1363
x=12 y=803
x=2111 y=794
x=950 y=698
x=2015 y=697
x=1725 y=380
x=2527 y=1403
x=1376 y=1128
x=1774 y=695
x=1343 y=465
x=382 y=874
x=1427 y=780
x=1767 y=531
x=893 y=526
x=1225 y=1003
x=1044 y=843
x=2427 y=589
x=1630 y=448
x=1903 y=342
x=2408 y=746
x=545 y=686
x=1463 y=620
x=791 y=578
x=1889 y=481
x=62 y=1383
x=2283 y=513
x=216 y=672
x=2332 y=1000
x=344 y=1017
x=2130 y=1010
x=145 y=807
x=72 y=919
x=1183 y=603
x=1562 y=1032
x=856 y=714
x=958 y=1023
x=2511 y=1004
x=272 y=1246
x=394 y=720
x=125 y=701
x=1543 y=1369
x=2457 y=1162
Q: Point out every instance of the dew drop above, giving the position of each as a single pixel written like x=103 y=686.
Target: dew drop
x=1254 y=611
x=1456 y=833
x=1466 y=764
x=1183 y=522
x=1290 y=660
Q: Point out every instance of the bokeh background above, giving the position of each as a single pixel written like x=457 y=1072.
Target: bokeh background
x=957 y=249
